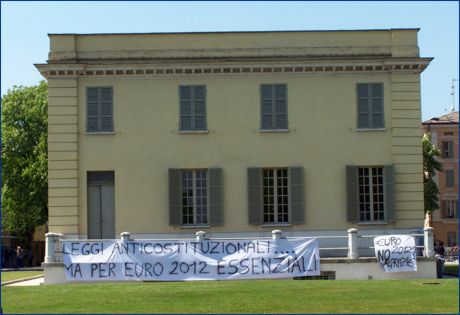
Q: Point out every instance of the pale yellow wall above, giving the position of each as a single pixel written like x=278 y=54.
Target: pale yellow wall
x=322 y=133
x=322 y=138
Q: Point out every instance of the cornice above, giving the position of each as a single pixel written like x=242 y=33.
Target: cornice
x=413 y=65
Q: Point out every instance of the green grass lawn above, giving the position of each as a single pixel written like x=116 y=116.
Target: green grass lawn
x=250 y=296
x=13 y=275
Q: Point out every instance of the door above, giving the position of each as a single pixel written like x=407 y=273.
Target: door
x=101 y=205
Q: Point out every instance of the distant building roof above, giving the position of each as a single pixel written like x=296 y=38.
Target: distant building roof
x=451 y=118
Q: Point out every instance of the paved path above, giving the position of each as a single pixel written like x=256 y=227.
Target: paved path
x=37 y=281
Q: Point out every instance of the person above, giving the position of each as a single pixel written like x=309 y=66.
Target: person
x=19 y=257
x=440 y=253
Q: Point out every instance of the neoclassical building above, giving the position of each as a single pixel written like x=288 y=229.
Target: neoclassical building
x=234 y=133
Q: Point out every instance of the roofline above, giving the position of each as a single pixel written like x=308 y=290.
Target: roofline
x=240 y=32
x=440 y=123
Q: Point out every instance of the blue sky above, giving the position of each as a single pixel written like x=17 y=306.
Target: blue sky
x=25 y=25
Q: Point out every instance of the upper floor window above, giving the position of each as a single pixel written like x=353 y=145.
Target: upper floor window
x=450 y=178
x=370 y=106
x=449 y=209
x=448 y=149
x=192 y=99
x=274 y=113
x=99 y=109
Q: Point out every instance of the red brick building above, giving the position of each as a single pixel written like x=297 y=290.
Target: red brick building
x=444 y=135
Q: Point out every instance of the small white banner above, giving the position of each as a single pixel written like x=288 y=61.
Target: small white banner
x=396 y=253
x=190 y=260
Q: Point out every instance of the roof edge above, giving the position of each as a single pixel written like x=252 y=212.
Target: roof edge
x=237 y=32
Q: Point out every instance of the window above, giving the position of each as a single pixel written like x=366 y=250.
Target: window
x=450 y=178
x=99 y=109
x=273 y=107
x=452 y=239
x=276 y=195
x=370 y=193
x=275 y=186
x=370 y=106
x=448 y=149
x=450 y=209
x=371 y=204
x=192 y=108
x=195 y=196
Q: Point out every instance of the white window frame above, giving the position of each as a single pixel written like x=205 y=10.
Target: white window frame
x=372 y=196
x=194 y=199
x=275 y=196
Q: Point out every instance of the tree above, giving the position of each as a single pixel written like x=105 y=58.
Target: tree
x=24 y=159
x=430 y=166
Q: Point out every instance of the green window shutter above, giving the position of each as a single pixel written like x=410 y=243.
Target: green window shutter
x=388 y=171
x=352 y=193
x=216 y=196
x=296 y=195
x=175 y=198
x=255 y=204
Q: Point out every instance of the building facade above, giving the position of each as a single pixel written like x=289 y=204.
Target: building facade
x=444 y=135
x=235 y=133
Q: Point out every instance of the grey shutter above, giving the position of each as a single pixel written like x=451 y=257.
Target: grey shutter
x=199 y=107
x=450 y=149
x=266 y=107
x=389 y=171
x=216 y=196
x=255 y=203
x=363 y=96
x=175 y=196
x=296 y=195
x=280 y=106
x=376 y=91
x=92 y=109
x=106 y=109
x=352 y=193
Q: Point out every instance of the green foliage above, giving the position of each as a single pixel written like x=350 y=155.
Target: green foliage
x=430 y=166
x=24 y=159
x=238 y=297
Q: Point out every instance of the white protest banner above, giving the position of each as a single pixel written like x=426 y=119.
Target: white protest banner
x=190 y=260
x=396 y=253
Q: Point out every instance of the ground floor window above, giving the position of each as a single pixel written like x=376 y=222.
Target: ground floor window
x=275 y=189
x=452 y=239
x=371 y=190
x=194 y=197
